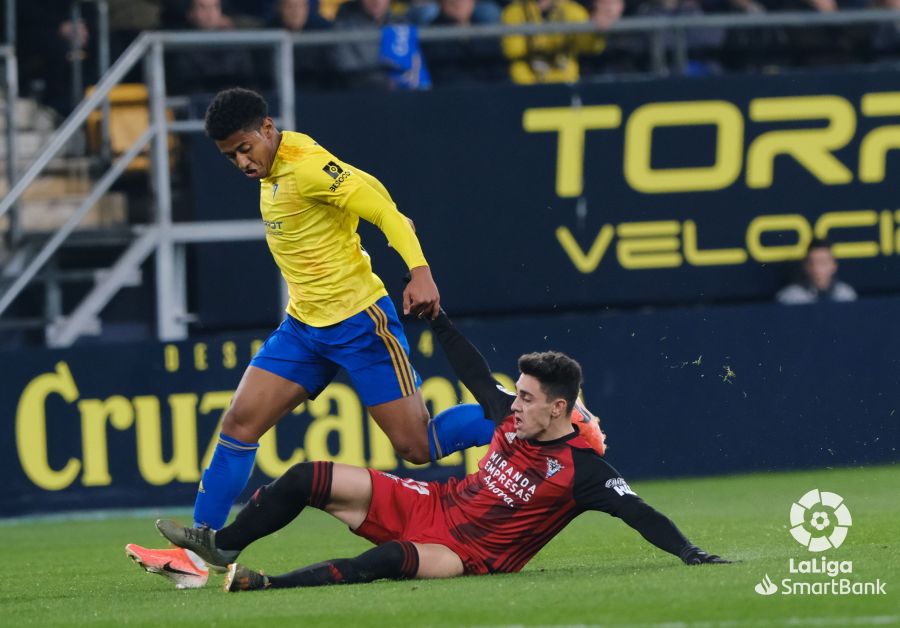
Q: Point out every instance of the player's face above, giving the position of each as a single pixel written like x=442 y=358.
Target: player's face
x=820 y=267
x=294 y=14
x=252 y=151
x=536 y=415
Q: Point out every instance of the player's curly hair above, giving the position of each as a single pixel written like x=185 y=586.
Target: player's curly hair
x=233 y=110
x=559 y=375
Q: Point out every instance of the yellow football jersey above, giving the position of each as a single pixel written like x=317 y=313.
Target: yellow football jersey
x=311 y=204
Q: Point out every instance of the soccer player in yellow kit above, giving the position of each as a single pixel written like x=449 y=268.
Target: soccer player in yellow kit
x=338 y=316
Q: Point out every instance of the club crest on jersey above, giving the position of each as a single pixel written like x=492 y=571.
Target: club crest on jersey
x=510 y=437
x=553 y=467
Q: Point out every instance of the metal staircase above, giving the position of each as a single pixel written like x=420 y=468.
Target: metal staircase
x=29 y=261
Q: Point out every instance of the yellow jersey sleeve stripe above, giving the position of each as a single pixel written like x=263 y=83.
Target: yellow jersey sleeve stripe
x=405 y=366
x=404 y=389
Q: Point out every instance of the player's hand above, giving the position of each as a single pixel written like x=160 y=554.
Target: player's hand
x=421 y=295
x=696 y=556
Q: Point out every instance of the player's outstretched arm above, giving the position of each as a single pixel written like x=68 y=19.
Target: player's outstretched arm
x=472 y=369
x=598 y=486
x=659 y=530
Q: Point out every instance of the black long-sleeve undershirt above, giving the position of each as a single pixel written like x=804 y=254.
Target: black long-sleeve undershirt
x=472 y=369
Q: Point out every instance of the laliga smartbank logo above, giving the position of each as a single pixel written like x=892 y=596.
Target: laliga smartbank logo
x=820 y=521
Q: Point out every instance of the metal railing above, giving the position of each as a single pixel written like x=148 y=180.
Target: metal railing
x=167 y=239
x=103 y=61
x=11 y=86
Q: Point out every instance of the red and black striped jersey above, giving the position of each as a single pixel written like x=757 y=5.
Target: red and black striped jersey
x=526 y=491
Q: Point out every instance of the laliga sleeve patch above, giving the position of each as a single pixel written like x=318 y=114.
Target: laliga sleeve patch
x=332 y=169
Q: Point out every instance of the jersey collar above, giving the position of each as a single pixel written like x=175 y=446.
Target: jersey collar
x=278 y=164
x=555 y=441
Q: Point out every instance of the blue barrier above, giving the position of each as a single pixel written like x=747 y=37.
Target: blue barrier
x=681 y=392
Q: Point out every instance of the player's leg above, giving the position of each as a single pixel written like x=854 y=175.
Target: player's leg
x=438 y=561
x=282 y=375
x=452 y=430
x=458 y=428
x=405 y=422
x=388 y=385
x=394 y=560
x=284 y=372
x=341 y=490
x=260 y=401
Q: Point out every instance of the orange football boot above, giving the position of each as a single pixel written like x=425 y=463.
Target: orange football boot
x=174 y=564
x=589 y=427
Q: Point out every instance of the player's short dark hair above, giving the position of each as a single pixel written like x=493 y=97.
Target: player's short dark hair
x=559 y=375
x=233 y=110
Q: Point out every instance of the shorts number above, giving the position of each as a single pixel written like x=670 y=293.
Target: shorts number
x=419 y=487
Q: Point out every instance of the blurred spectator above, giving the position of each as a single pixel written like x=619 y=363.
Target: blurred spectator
x=424 y=12
x=45 y=52
x=549 y=58
x=750 y=49
x=297 y=16
x=359 y=64
x=310 y=62
x=831 y=45
x=201 y=70
x=605 y=13
x=252 y=13
x=885 y=39
x=820 y=6
x=702 y=43
x=175 y=14
x=328 y=9
x=462 y=60
x=624 y=53
x=207 y=15
x=818 y=281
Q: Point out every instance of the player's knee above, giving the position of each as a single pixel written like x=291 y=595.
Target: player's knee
x=301 y=474
x=413 y=451
x=240 y=425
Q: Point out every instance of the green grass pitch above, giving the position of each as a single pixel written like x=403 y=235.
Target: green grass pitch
x=597 y=572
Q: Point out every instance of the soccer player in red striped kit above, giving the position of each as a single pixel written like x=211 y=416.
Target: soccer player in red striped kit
x=538 y=475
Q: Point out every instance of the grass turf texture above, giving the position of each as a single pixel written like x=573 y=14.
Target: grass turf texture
x=598 y=571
